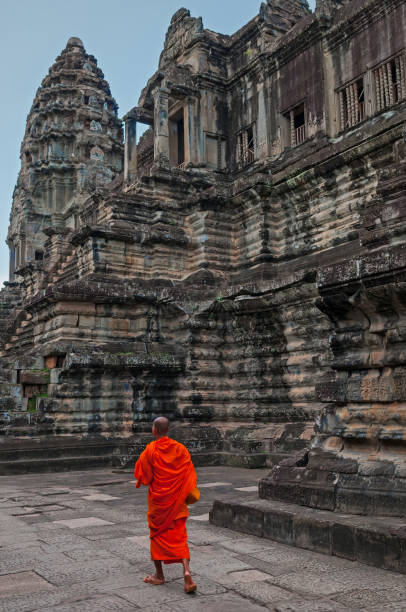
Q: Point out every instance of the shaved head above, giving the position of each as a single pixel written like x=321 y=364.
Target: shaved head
x=161 y=426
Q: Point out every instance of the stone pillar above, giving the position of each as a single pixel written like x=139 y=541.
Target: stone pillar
x=130 y=152
x=190 y=130
x=161 y=127
x=12 y=262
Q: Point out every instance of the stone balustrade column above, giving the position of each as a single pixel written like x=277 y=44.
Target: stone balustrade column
x=161 y=127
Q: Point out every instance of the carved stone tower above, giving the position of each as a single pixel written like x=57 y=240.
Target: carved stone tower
x=72 y=145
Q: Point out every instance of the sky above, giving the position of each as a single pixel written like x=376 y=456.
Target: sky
x=126 y=37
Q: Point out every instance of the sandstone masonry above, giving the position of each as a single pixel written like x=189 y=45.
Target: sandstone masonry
x=241 y=269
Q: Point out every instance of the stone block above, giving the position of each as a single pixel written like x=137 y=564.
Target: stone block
x=222 y=514
x=248 y=520
x=22 y=582
x=278 y=526
x=83 y=308
x=34 y=378
x=370 y=547
x=343 y=541
x=87 y=321
x=311 y=534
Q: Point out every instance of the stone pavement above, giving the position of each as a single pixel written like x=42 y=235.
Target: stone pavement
x=78 y=542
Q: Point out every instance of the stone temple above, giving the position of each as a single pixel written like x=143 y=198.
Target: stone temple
x=242 y=269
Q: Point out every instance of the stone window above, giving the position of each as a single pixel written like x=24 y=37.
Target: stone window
x=39 y=256
x=351 y=103
x=245 y=153
x=389 y=83
x=296 y=123
x=177 y=139
x=215 y=151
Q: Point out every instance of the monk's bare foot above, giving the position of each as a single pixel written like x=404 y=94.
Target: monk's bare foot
x=190 y=586
x=154 y=579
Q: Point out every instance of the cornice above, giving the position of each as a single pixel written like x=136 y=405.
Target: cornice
x=349 y=26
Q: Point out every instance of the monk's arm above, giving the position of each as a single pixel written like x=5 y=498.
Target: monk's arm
x=143 y=470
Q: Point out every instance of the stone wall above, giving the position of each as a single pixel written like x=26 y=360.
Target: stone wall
x=246 y=281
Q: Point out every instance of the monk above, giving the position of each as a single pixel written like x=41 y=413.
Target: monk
x=166 y=467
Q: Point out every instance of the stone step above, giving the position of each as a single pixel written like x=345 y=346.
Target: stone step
x=377 y=541
x=59 y=464
x=29 y=453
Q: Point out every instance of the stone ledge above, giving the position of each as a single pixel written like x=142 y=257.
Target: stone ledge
x=378 y=541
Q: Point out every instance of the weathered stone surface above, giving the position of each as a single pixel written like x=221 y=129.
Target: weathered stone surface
x=378 y=542
x=245 y=273
x=107 y=574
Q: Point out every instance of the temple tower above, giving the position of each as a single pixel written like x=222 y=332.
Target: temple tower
x=72 y=145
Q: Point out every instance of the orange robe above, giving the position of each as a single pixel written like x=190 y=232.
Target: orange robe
x=166 y=466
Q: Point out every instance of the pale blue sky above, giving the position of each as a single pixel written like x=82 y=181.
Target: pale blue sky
x=126 y=36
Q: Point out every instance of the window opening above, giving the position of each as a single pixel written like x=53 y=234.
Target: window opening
x=352 y=104
x=39 y=256
x=389 y=80
x=295 y=122
x=181 y=141
x=245 y=153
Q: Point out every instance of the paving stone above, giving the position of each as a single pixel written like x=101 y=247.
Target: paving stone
x=204 y=585
x=90 y=521
x=82 y=554
x=73 y=573
x=99 y=603
x=202 y=535
x=141 y=541
x=263 y=592
x=307 y=583
x=212 y=485
x=105 y=532
x=215 y=603
x=251 y=575
x=216 y=566
x=99 y=497
x=25 y=560
x=314 y=605
x=247 y=545
x=23 y=582
x=44 y=599
x=34 y=519
x=365 y=598
x=126 y=549
x=146 y=595
x=49 y=508
x=370 y=577
x=53 y=491
x=57 y=541
x=199 y=517
x=391 y=607
x=75 y=504
x=91 y=566
x=23 y=511
x=273 y=569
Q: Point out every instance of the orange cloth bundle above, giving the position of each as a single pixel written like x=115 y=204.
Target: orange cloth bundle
x=193 y=496
x=166 y=466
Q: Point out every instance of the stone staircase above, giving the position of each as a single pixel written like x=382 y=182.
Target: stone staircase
x=10 y=300
x=25 y=455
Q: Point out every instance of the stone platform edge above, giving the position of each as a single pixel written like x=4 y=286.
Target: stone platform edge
x=377 y=541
